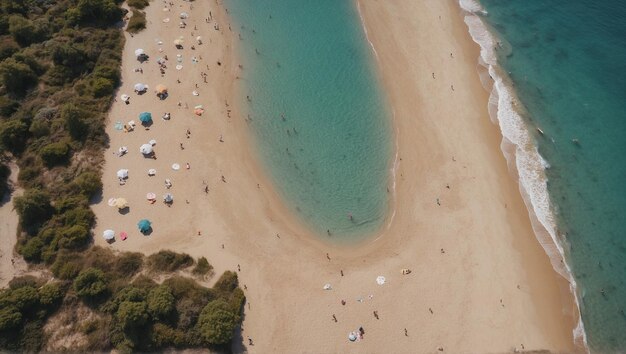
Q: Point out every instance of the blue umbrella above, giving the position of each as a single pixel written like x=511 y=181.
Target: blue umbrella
x=145 y=117
x=144 y=225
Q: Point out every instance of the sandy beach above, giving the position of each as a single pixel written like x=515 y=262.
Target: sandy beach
x=480 y=281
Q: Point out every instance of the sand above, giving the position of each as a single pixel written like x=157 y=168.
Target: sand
x=480 y=281
x=11 y=264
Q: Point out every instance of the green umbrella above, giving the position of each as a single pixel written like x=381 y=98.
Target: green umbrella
x=145 y=117
x=144 y=225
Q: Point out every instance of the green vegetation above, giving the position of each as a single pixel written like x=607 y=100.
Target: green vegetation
x=168 y=261
x=137 y=22
x=59 y=68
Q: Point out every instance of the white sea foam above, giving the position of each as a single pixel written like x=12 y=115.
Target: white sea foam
x=519 y=148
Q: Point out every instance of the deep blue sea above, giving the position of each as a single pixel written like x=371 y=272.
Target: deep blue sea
x=315 y=109
x=568 y=63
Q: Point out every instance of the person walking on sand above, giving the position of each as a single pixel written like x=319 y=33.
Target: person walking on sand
x=376 y=314
x=334 y=318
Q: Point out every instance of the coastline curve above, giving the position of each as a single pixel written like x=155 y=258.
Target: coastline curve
x=520 y=151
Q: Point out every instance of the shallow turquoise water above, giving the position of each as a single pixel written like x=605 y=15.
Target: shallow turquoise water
x=330 y=156
x=568 y=63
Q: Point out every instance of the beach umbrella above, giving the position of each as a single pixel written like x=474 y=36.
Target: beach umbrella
x=151 y=196
x=145 y=149
x=123 y=235
x=144 y=225
x=179 y=67
x=179 y=41
x=184 y=15
x=151 y=172
x=111 y=201
x=123 y=173
x=160 y=88
x=352 y=336
x=175 y=167
x=121 y=203
x=139 y=52
x=108 y=234
x=139 y=87
x=125 y=97
x=199 y=39
x=380 y=280
x=168 y=198
x=145 y=117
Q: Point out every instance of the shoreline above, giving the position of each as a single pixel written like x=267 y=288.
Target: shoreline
x=532 y=185
x=461 y=299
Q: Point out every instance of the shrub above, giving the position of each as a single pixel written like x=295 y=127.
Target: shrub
x=24 y=280
x=10 y=317
x=23 y=298
x=227 y=282
x=55 y=153
x=138 y=4
x=39 y=128
x=128 y=264
x=33 y=208
x=161 y=302
x=132 y=314
x=102 y=87
x=74 y=237
x=32 y=250
x=5 y=172
x=217 y=322
x=90 y=283
x=7 y=47
x=89 y=183
x=168 y=261
x=137 y=22
x=17 y=77
x=13 y=135
x=8 y=106
x=75 y=122
x=50 y=294
x=202 y=267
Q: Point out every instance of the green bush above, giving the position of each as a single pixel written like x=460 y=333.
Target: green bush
x=102 y=87
x=8 y=106
x=33 y=208
x=55 y=153
x=132 y=314
x=73 y=237
x=39 y=128
x=137 y=22
x=202 y=267
x=50 y=294
x=10 y=317
x=138 y=4
x=8 y=47
x=13 y=135
x=24 y=280
x=161 y=302
x=23 y=298
x=128 y=264
x=32 y=250
x=168 y=261
x=75 y=121
x=217 y=322
x=5 y=172
x=89 y=183
x=17 y=77
x=90 y=283
x=227 y=282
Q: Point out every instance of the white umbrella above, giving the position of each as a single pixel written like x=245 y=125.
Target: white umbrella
x=184 y=15
x=380 y=280
x=168 y=198
x=108 y=234
x=146 y=149
x=125 y=97
x=139 y=52
x=123 y=173
x=175 y=167
x=151 y=172
x=141 y=87
x=150 y=196
x=111 y=201
x=178 y=67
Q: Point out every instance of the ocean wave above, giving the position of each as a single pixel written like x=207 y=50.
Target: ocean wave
x=518 y=146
